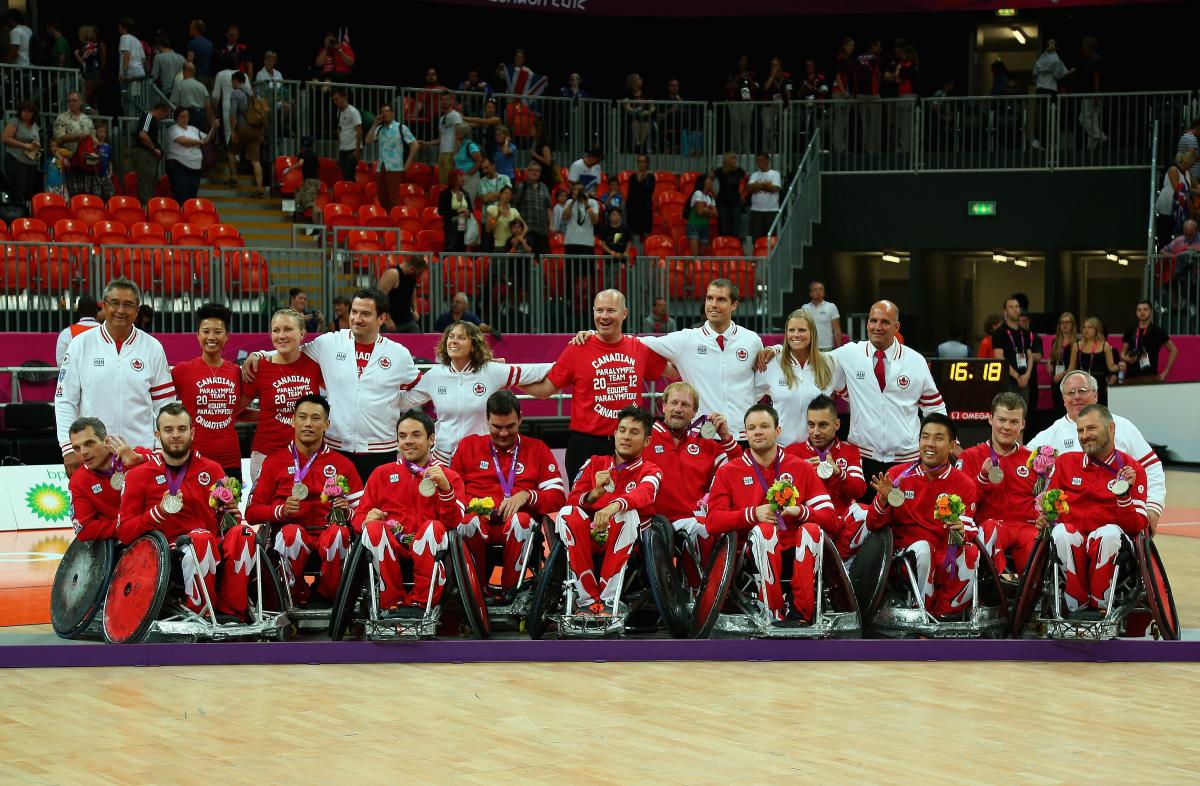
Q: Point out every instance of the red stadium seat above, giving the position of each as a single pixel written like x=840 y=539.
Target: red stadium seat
x=553 y=275
x=126 y=209
x=49 y=208
x=371 y=194
x=328 y=171
x=664 y=198
x=458 y=275
x=725 y=246
x=430 y=240
x=414 y=202
x=664 y=179
x=288 y=183
x=431 y=219
x=421 y=174
x=30 y=230
x=521 y=120
x=764 y=245
x=224 y=235
x=69 y=230
x=656 y=243
x=373 y=216
x=200 y=212
x=146 y=233
x=131 y=183
x=164 y=211
x=88 y=209
x=110 y=233
x=412 y=189
x=687 y=181
x=363 y=240
x=364 y=173
x=245 y=273
x=185 y=234
x=337 y=214
x=558 y=245
x=348 y=193
x=680 y=275
x=742 y=273
x=672 y=213
x=435 y=194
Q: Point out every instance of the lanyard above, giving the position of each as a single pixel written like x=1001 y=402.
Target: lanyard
x=414 y=469
x=301 y=473
x=1019 y=349
x=506 y=484
x=175 y=480
x=911 y=469
x=1139 y=348
x=114 y=467
x=1107 y=468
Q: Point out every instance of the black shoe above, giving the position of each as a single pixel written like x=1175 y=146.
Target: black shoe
x=792 y=619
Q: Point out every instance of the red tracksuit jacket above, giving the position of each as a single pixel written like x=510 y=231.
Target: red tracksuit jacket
x=688 y=468
x=914 y=520
x=145 y=486
x=736 y=492
x=637 y=486
x=1013 y=498
x=393 y=489
x=95 y=503
x=277 y=477
x=1092 y=504
x=846 y=490
x=537 y=472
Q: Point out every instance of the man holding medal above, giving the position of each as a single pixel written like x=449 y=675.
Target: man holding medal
x=611 y=498
x=170 y=493
x=1014 y=346
x=1004 y=483
x=839 y=466
x=905 y=500
x=290 y=496
x=518 y=473
x=407 y=508
x=1106 y=489
x=738 y=503
x=96 y=486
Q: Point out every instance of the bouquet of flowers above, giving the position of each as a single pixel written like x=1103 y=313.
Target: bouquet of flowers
x=482 y=506
x=600 y=535
x=336 y=487
x=224 y=496
x=948 y=509
x=1052 y=504
x=782 y=494
x=398 y=530
x=1041 y=462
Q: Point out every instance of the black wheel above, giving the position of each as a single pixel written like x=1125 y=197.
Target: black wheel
x=991 y=589
x=841 y=591
x=663 y=577
x=470 y=591
x=714 y=587
x=80 y=584
x=354 y=577
x=272 y=591
x=548 y=596
x=1158 y=589
x=1032 y=585
x=869 y=572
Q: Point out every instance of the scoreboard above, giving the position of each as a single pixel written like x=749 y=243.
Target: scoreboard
x=968 y=386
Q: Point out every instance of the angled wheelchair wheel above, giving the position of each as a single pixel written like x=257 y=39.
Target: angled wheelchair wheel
x=869 y=572
x=80 y=584
x=138 y=588
x=1158 y=588
x=470 y=589
x=548 y=596
x=354 y=578
x=714 y=587
x=661 y=574
x=991 y=589
x=841 y=590
x=1032 y=584
x=272 y=590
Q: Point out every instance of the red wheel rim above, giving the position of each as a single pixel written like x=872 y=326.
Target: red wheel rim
x=132 y=591
x=476 y=590
x=710 y=593
x=1159 y=592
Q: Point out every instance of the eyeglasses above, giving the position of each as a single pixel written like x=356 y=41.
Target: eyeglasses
x=119 y=305
x=1073 y=392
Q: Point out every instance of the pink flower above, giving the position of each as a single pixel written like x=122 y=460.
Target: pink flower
x=332 y=489
x=224 y=495
x=1047 y=451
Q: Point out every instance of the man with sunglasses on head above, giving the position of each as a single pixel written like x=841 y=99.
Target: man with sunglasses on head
x=116 y=373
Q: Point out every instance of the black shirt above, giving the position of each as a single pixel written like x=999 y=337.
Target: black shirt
x=400 y=299
x=616 y=238
x=730 y=186
x=1148 y=341
x=149 y=124
x=1014 y=341
x=310 y=165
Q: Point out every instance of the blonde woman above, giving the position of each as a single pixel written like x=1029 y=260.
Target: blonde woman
x=459 y=386
x=1065 y=339
x=1095 y=355
x=798 y=375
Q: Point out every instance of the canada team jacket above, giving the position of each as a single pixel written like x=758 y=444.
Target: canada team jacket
x=277 y=477
x=1090 y=497
x=736 y=492
x=688 y=468
x=537 y=472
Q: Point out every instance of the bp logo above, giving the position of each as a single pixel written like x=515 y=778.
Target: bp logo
x=48 y=502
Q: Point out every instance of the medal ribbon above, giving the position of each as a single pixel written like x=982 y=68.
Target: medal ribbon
x=301 y=473
x=1018 y=348
x=414 y=469
x=911 y=469
x=1138 y=347
x=506 y=484
x=114 y=468
x=1108 y=467
x=175 y=480
x=766 y=487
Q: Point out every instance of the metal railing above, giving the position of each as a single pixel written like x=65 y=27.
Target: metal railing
x=792 y=228
x=283 y=130
x=318 y=117
x=46 y=87
x=40 y=281
x=1174 y=288
x=1152 y=214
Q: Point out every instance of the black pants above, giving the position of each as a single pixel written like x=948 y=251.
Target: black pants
x=185 y=182
x=871 y=468
x=348 y=164
x=581 y=447
x=366 y=463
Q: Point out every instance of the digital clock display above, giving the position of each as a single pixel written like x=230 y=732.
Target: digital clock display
x=968 y=386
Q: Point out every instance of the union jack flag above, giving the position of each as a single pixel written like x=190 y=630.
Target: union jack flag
x=523 y=82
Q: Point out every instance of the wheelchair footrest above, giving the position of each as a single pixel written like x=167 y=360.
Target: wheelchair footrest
x=589 y=626
x=830 y=625
x=406 y=622
x=192 y=626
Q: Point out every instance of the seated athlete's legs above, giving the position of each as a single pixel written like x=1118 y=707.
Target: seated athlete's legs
x=1103 y=545
x=379 y=541
x=239 y=550
x=429 y=575
x=853 y=532
x=992 y=539
x=1072 y=553
x=806 y=554
x=200 y=563
x=333 y=546
x=699 y=544
x=294 y=544
x=1019 y=537
x=475 y=532
x=953 y=579
x=763 y=543
x=923 y=558
x=622 y=534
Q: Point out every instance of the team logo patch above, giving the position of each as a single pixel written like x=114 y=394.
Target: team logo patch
x=341 y=356
x=860 y=375
x=1022 y=471
x=552 y=469
x=385 y=363
x=441 y=390
x=204 y=478
x=483 y=465
x=329 y=470
x=58 y=391
x=520 y=468
x=630 y=486
x=479 y=389
x=393 y=478
x=903 y=382
x=96 y=488
x=747 y=481
x=742 y=354
x=786 y=477
x=658 y=448
x=1076 y=481
x=701 y=350
x=910 y=494
x=160 y=479
x=291 y=470
x=693 y=449
x=136 y=364
x=98 y=362
x=1068 y=444
x=843 y=463
x=1141 y=489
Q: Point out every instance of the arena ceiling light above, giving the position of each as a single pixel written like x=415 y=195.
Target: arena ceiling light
x=1019 y=34
x=1021 y=262
x=1111 y=257
x=998 y=257
x=888 y=256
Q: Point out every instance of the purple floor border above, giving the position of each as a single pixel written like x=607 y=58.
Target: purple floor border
x=509 y=651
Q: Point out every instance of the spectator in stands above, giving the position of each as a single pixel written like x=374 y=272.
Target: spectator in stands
x=1000 y=81
x=222 y=93
x=1094 y=355
x=506 y=152
x=990 y=323
x=473 y=84
x=428 y=100
x=490 y=182
x=23 y=139
x=247 y=136
x=559 y=215
x=1188 y=241
x=145 y=317
x=1066 y=336
x=447 y=141
x=399 y=283
x=729 y=177
x=199 y=51
x=1049 y=70
x=335 y=60
x=499 y=216
x=269 y=74
x=1179 y=184
x=867 y=76
x=586 y=171
x=543 y=153
x=19 y=36
x=573 y=89
x=614 y=239
x=350 y=134
x=532 y=200
x=674 y=139
x=146 y=151
x=314 y=321
x=1143 y=342
x=825 y=316
x=509 y=80
x=167 y=65
x=1014 y=345
x=519 y=242
x=1190 y=140
x=639 y=202
x=104 y=168
x=640 y=111
x=1089 y=110
x=71 y=127
x=92 y=56
x=613 y=198
x=310 y=167
x=397 y=150
x=763 y=190
x=581 y=215
x=700 y=209
x=185 y=159
x=235 y=55
x=191 y=94
x=60 y=48
x=813 y=85
x=953 y=347
x=454 y=206
x=741 y=88
x=460 y=311
x=468 y=157
x=341 y=314
x=87 y=316
x=54 y=170
x=658 y=321
x=485 y=127
x=778 y=90
x=845 y=87
x=132 y=64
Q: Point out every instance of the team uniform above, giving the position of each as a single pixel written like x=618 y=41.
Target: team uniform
x=124 y=385
x=1006 y=510
x=1088 y=537
x=741 y=486
x=297 y=535
x=688 y=468
x=210 y=395
x=636 y=486
x=278 y=386
x=945 y=584
x=720 y=366
x=845 y=486
x=393 y=489
x=790 y=402
x=94 y=502
x=461 y=398
x=141 y=511
x=1063 y=436
x=485 y=472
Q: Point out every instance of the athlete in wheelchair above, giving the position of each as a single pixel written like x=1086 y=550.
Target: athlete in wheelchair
x=1095 y=572
x=191 y=569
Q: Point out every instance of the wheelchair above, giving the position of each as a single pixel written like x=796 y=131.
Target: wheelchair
x=727 y=607
x=314 y=614
x=80 y=584
x=1140 y=593
x=897 y=611
x=145 y=599
x=638 y=612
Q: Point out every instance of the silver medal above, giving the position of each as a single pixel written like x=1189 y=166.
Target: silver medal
x=995 y=475
x=427 y=487
x=610 y=487
x=117 y=481
x=299 y=491
x=895 y=497
x=708 y=430
x=1120 y=487
x=824 y=470
x=171 y=503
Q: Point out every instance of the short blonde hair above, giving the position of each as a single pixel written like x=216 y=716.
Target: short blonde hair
x=681 y=387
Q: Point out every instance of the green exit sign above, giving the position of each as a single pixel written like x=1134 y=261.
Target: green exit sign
x=981 y=208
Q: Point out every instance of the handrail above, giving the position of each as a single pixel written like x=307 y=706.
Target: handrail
x=1151 y=239
x=794 y=186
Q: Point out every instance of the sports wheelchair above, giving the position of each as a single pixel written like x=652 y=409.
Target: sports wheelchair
x=80 y=584
x=145 y=598
x=1140 y=594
